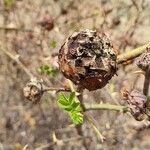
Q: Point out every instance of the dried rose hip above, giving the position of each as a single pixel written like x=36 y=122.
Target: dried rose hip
x=88 y=59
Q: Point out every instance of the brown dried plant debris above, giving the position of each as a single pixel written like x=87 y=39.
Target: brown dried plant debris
x=143 y=61
x=33 y=90
x=88 y=59
x=137 y=103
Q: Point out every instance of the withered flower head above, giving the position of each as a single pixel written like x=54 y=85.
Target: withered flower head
x=88 y=59
x=33 y=90
x=143 y=61
x=137 y=103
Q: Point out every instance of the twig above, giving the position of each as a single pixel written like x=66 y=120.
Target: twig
x=131 y=54
x=105 y=107
x=79 y=127
x=90 y=120
x=15 y=29
x=60 y=141
x=16 y=59
x=146 y=83
x=57 y=89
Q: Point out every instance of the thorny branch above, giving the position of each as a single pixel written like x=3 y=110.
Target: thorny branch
x=120 y=59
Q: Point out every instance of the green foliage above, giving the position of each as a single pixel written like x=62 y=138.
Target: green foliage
x=148 y=98
x=8 y=3
x=52 y=44
x=72 y=106
x=45 y=69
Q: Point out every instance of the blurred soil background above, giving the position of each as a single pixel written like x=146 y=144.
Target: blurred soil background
x=34 y=30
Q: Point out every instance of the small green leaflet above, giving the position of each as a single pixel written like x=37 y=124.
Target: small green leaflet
x=53 y=44
x=9 y=3
x=72 y=106
x=45 y=69
x=148 y=98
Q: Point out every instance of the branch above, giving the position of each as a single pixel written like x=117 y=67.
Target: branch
x=60 y=142
x=131 y=54
x=57 y=89
x=15 y=29
x=105 y=107
x=90 y=120
x=146 y=83
x=16 y=59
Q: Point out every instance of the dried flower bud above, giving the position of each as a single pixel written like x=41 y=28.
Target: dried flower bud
x=33 y=90
x=136 y=102
x=143 y=61
x=88 y=59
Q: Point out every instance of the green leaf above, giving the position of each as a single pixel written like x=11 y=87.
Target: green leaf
x=72 y=97
x=62 y=99
x=76 y=106
x=8 y=3
x=148 y=98
x=71 y=106
x=52 y=44
x=76 y=117
x=45 y=69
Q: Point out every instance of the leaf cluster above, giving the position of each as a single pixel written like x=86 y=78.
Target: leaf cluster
x=71 y=105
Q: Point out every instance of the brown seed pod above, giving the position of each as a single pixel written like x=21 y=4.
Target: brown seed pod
x=88 y=59
x=137 y=103
x=33 y=90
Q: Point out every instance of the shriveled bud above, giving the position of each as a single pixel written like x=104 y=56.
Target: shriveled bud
x=143 y=61
x=137 y=103
x=88 y=59
x=33 y=90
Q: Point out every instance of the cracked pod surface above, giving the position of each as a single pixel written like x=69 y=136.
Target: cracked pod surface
x=88 y=59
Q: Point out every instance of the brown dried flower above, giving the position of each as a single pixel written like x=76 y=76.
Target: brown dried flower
x=33 y=90
x=137 y=103
x=143 y=61
x=88 y=59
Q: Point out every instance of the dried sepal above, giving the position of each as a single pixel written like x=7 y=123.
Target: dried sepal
x=88 y=59
x=33 y=90
x=136 y=102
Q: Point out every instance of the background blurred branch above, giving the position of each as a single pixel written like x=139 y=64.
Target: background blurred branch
x=16 y=59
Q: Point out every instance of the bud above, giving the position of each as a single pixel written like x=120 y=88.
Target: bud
x=143 y=61
x=33 y=90
x=137 y=103
x=88 y=59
